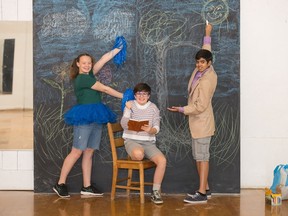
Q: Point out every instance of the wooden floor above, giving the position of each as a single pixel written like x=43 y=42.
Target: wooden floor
x=26 y=203
x=16 y=129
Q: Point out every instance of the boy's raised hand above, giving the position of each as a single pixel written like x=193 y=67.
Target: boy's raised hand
x=128 y=104
x=208 y=29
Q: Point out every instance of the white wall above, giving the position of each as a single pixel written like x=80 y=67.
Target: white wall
x=22 y=93
x=264 y=85
x=16 y=10
x=16 y=170
x=264 y=90
x=19 y=10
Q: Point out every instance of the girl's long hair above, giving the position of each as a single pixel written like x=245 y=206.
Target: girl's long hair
x=74 y=69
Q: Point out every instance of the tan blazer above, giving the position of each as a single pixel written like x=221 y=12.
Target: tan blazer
x=199 y=108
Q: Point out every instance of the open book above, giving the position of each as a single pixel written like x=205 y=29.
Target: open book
x=136 y=125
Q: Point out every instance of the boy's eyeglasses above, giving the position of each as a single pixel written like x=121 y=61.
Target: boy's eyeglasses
x=142 y=94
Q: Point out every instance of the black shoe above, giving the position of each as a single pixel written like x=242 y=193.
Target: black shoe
x=90 y=190
x=208 y=194
x=196 y=198
x=156 y=197
x=61 y=190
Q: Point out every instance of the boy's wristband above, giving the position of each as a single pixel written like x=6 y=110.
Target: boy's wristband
x=207 y=40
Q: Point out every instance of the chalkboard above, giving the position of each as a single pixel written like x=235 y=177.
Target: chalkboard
x=162 y=39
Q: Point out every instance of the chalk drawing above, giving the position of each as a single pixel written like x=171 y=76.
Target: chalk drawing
x=64 y=25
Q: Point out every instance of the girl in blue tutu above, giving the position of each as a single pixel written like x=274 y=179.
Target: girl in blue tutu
x=87 y=117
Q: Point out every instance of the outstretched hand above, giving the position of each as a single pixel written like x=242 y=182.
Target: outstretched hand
x=173 y=109
x=120 y=42
x=120 y=58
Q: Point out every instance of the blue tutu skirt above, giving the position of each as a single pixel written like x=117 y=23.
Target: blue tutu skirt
x=89 y=113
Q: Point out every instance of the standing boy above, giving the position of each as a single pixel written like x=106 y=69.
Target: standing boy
x=201 y=89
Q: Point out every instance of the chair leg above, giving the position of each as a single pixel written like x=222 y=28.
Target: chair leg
x=130 y=173
x=141 y=176
x=114 y=181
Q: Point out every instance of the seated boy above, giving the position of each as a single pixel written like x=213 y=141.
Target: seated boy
x=140 y=141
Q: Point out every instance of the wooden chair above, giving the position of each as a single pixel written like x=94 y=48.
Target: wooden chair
x=126 y=163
